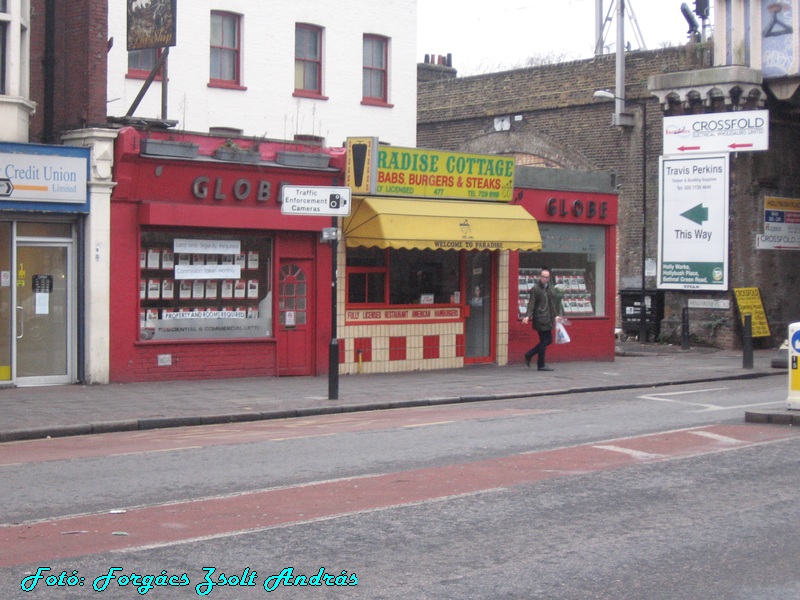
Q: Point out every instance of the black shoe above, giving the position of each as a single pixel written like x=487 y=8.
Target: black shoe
x=528 y=361
x=545 y=368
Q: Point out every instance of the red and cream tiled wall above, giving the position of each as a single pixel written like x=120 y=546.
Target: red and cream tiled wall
x=395 y=347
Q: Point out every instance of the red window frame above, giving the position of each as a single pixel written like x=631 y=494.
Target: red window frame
x=143 y=72
x=305 y=60
x=375 y=69
x=373 y=295
x=227 y=48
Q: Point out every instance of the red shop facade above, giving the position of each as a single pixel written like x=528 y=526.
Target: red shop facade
x=577 y=213
x=208 y=278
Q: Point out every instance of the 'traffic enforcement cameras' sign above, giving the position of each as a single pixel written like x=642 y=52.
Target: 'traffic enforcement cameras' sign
x=315 y=201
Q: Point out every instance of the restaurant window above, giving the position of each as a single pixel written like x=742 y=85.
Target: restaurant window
x=375 y=69
x=576 y=257
x=401 y=276
x=225 y=66
x=308 y=60
x=204 y=286
x=367 y=275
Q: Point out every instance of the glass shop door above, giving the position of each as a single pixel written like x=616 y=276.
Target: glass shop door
x=43 y=332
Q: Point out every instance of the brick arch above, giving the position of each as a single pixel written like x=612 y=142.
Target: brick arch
x=530 y=149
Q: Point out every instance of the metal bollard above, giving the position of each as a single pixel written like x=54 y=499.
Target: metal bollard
x=747 y=343
x=333 y=372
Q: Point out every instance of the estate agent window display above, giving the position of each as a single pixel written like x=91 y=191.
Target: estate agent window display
x=198 y=286
x=575 y=255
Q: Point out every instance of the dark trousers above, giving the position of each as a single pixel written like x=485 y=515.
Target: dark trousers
x=545 y=339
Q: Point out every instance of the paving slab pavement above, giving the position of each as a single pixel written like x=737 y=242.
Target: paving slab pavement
x=37 y=412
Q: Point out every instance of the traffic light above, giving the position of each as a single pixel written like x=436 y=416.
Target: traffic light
x=701 y=8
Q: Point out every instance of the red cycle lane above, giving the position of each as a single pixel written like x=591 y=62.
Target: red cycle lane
x=252 y=511
x=182 y=438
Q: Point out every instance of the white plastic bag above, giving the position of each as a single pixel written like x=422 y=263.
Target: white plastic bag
x=562 y=337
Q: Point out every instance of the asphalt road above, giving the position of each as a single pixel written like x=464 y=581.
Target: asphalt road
x=662 y=493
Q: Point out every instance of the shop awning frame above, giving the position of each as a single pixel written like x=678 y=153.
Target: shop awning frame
x=440 y=225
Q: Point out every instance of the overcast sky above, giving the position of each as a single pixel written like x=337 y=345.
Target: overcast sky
x=483 y=35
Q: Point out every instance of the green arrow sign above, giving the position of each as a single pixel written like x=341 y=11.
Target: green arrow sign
x=697 y=214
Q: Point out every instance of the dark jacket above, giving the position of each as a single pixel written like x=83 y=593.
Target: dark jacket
x=542 y=307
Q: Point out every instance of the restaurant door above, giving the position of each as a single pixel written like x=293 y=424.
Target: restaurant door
x=480 y=304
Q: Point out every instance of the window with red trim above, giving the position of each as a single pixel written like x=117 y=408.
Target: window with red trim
x=226 y=59
x=308 y=59
x=367 y=276
x=391 y=277
x=375 y=69
x=141 y=62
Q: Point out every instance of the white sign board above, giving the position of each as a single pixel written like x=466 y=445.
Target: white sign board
x=208 y=246
x=693 y=223
x=777 y=241
x=744 y=131
x=43 y=177
x=208 y=271
x=315 y=201
x=724 y=304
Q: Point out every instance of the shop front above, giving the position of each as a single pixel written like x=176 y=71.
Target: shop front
x=425 y=258
x=577 y=216
x=43 y=204
x=209 y=278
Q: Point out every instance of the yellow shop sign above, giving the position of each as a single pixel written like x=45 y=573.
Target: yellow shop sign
x=413 y=172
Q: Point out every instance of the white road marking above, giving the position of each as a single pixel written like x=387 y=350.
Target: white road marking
x=628 y=451
x=713 y=407
x=662 y=397
x=716 y=436
x=703 y=407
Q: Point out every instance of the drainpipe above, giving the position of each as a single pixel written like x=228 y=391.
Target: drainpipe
x=48 y=127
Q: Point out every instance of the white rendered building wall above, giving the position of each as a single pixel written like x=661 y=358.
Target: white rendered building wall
x=268 y=107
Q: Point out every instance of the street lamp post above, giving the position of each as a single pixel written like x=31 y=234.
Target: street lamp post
x=610 y=96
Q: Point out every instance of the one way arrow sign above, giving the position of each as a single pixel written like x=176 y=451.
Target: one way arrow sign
x=6 y=187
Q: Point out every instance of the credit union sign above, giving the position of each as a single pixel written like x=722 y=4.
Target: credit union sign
x=47 y=175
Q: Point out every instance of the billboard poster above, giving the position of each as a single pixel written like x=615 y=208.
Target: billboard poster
x=693 y=223
x=151 y=24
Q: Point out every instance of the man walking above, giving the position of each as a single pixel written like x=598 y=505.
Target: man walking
x=542 y=311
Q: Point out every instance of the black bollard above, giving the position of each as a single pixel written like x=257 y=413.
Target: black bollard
x=333 y=370
x=685 y=329
x=747 y=343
